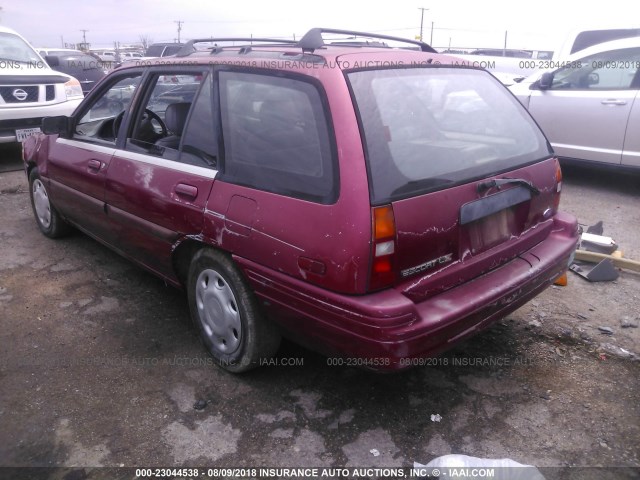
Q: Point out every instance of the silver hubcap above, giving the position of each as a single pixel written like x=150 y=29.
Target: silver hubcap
x=218 y=311
x=41 y=202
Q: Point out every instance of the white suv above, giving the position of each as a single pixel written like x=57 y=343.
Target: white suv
x=29 y=89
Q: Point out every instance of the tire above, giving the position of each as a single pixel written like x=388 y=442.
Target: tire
x=226 y=313
x=47 y=217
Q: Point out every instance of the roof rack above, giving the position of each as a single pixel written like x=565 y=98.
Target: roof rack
x=358 y=43
x=312 y=40
x=189 y=47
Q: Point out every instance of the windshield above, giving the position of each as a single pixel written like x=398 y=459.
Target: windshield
x=15 y=49
x=429 y=128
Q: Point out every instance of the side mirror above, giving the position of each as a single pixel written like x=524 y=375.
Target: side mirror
x=60 y=125
x=52 y=60
x=593 y=79
x=546 y=80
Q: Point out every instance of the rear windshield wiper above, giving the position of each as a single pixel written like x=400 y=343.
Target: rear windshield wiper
x=498 y=182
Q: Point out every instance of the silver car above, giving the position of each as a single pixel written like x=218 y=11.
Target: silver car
x=589 y=105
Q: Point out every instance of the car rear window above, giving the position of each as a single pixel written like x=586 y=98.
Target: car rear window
x=426 y=129
x=155 y=51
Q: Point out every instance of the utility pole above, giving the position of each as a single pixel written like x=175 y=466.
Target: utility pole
x=85 y=45
x=504 y=51
x=179 y=23
x=421 y=19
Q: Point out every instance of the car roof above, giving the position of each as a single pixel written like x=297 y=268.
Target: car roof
x=13 y=32
x=631 y=42
x=7 y=30
x=54 y=49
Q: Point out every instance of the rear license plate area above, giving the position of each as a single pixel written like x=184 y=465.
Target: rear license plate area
x=494 y=219
x=492 y=230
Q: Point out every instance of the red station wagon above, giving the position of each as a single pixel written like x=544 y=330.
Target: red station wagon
x=371 y=202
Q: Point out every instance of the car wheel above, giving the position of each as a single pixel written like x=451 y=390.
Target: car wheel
x=226 y=313
x=48 y=219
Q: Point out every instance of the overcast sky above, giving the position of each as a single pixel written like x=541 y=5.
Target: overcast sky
x=533 y=24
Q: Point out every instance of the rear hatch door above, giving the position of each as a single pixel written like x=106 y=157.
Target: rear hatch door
x=469 y=174
x=451 y=236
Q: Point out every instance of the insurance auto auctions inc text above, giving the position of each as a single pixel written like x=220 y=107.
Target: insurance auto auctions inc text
x=343 y=473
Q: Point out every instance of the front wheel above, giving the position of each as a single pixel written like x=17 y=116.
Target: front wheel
x=48 y=219
x=225 y=311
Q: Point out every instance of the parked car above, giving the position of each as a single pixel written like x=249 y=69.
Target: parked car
x=579 y=39
x=502 y=52
x=589 y=108
x=29 y=89
x=44 y=51
x=512 y=53
x=163 y=49
x=374 y=203
x=507 y=69
x=130 y=55
x=105 y=55
x=108 y=58
x=85 y=68
x=155 y=50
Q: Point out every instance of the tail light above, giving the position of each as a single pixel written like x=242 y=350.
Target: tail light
x=558 y=187
x=383 y=248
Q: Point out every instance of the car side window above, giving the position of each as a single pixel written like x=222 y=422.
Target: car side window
x=612 y=70
x=200 y=143
x=158 y=127
x=100 y=121
x=276 y=136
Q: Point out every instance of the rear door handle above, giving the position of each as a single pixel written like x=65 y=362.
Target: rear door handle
x=186 y=190
x=94 y=164
x=613 y=101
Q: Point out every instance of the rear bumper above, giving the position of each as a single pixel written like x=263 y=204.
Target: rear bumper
x=386 y=330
